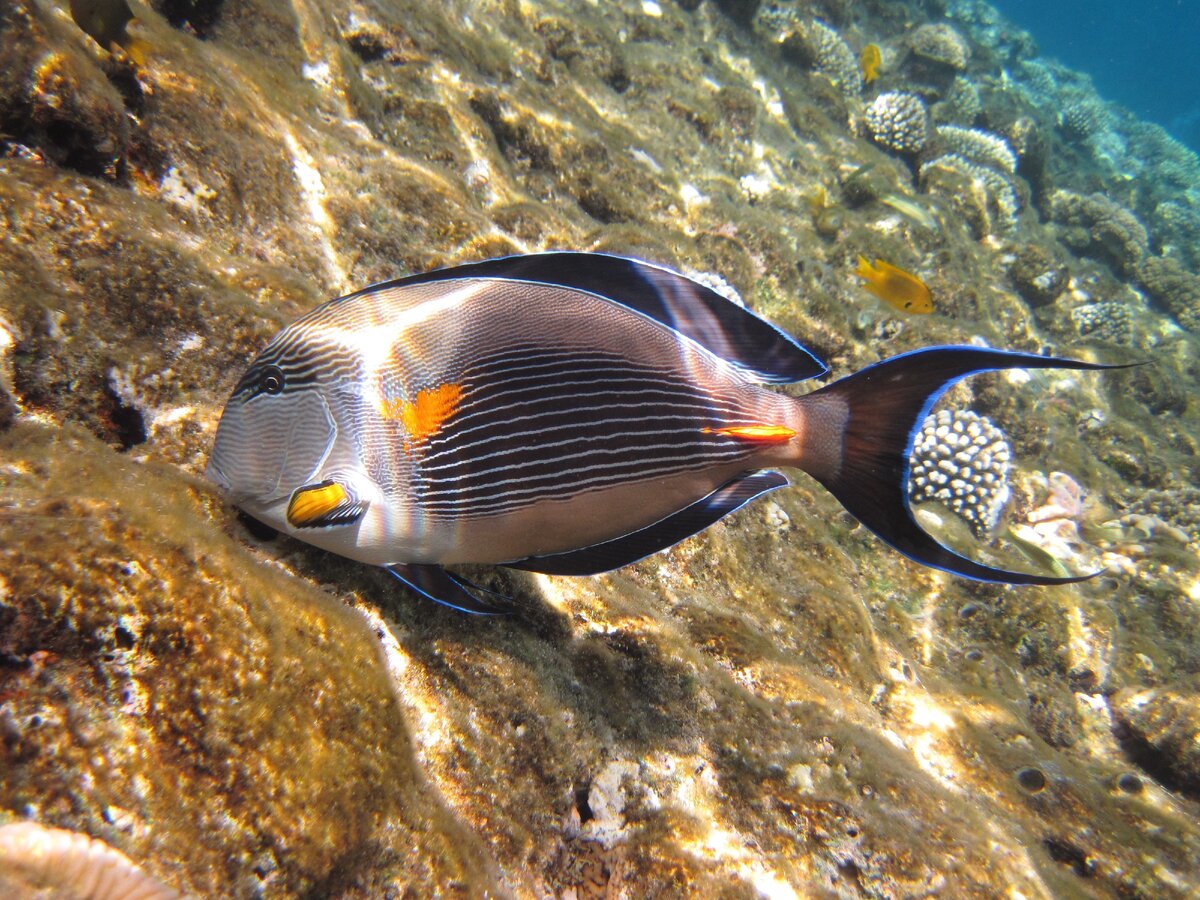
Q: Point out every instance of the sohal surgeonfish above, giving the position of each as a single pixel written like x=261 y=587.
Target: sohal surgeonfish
x=566 y=413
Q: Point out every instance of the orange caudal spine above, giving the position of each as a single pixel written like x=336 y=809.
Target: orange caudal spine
x=757 y=434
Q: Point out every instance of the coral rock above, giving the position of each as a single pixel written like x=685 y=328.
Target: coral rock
x=960 y=459
x=940 y=44
x=1160 y=728
x=1101 y=228
x=898 y=122
x=1037 y=275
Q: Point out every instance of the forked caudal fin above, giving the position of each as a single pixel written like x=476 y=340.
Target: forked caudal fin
x=877 y=412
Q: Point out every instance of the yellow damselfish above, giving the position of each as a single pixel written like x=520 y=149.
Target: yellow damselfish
x=869 y=61
x=899 y=289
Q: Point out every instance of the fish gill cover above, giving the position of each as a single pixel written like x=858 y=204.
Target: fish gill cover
x=778 y=705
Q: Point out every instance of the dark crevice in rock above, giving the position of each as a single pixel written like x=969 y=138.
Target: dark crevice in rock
x=1067 y=853
x=582 y=805
x=198 y=17
x=128 y=423
x=1155 y=762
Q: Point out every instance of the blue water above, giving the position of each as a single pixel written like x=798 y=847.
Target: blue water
x=1144 y=54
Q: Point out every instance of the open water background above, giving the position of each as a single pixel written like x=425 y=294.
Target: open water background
x=1145 y=54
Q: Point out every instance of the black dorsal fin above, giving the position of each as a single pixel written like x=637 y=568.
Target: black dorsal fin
x=629 y=548
x=714 y=322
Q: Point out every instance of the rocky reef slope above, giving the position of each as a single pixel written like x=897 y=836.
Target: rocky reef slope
x=779 y=706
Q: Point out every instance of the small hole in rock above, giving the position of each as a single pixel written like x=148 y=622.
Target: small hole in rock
x=581 y=804
x=1031 y=779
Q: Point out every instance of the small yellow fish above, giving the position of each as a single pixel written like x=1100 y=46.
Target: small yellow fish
x=897 y=288
x=869 y=61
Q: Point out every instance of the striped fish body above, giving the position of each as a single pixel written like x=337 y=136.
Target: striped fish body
x=566 y=413
x=485 y=420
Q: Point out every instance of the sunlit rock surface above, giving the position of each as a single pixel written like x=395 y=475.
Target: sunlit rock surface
x=780 y=706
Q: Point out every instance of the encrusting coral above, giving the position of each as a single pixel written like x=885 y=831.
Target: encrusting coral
x=1108 y=320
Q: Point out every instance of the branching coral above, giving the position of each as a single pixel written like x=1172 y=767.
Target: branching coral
x=978 y=146
x=1084 y=117
x=1173 y=288
x=986 y=197
x=829 y=55
x=960 y=459
x=941 y=45
x=1102 y=228
x=898 y=122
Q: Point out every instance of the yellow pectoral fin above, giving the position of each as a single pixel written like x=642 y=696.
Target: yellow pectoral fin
x=757 y=434
x=321 y=505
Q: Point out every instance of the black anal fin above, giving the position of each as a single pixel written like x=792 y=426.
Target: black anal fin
x=440 y=586
x=878 y=411
x=629 y=548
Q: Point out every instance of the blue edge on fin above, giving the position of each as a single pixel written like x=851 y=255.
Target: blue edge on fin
x=886 y=405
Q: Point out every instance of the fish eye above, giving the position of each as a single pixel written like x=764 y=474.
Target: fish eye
x=271 y=380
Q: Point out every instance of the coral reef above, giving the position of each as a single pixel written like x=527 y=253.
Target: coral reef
x=960 y=459
x=939 y=44
x=1100 y=227
x=898 y=121
x=984 y=197
x=1108 y=320
x=779 y=706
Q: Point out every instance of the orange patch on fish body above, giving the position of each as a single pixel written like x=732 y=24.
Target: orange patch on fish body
x=424 y=415
x=899 y=289
x=869 y=61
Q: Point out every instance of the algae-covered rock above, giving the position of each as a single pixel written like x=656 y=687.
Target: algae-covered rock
x=778 y=706
x=188 y=704
x=1160 y=728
